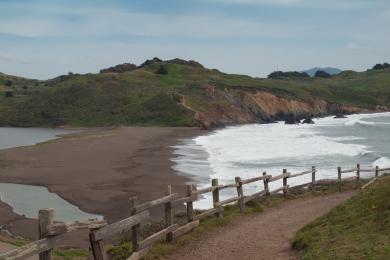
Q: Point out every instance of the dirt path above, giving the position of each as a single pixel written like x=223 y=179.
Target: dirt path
x=264 y=236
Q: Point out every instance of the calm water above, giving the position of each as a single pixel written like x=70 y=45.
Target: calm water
x=14 y=137
x=249 y=150
x=26 y=199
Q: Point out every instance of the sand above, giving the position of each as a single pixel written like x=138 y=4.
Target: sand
x=98 y=170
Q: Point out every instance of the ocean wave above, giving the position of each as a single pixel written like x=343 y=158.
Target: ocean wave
x=248 y=150
x=383 y=162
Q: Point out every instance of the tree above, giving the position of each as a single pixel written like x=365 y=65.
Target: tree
x=381 y=66
x=162 y=70
x=322 y=74
x=288 y=74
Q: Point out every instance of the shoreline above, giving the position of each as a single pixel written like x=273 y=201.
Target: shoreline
x=97 y=170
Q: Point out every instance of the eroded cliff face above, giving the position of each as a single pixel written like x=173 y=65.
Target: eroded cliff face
x=239 y=106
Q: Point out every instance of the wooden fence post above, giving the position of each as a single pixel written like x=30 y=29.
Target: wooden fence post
x=214 y=182
x=284 y=183
x=376 y=171
x=169 y=215
x=45 y=218
x=339 y=176
x=265 y=181
x=97 y=247
x=358 y=172
x=190 y=206
x=240 y=193
x=136 y=230
x=313 y=178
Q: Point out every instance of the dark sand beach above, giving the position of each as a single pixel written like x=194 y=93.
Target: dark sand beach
x=96 y=170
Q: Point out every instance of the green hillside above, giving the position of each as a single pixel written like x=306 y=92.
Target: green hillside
x=145 y=96
x=357 y=229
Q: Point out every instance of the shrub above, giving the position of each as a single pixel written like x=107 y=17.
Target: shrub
x=8 y=83
x=162 y=70
x=9 y=93
x=381 y=66
x=288 y=74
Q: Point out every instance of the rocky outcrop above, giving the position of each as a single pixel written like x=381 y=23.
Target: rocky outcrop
x=308 y=121
x=292 y=119
x=150 y=62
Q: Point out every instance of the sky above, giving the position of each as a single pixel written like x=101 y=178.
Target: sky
x=46 y=38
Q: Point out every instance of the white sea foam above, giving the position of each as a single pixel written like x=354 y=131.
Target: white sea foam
x=382 y=162
x=230 y=148
x=248 y=150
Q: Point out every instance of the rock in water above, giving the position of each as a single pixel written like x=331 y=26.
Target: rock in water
x=340 y=115
x=308 y=121
x=291 y=119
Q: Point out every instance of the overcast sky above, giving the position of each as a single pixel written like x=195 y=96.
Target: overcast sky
x=46 y=38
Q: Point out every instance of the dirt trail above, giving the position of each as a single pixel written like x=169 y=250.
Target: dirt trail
x=264 y=236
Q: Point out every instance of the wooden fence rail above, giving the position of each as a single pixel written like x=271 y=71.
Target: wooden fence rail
x=51 y=234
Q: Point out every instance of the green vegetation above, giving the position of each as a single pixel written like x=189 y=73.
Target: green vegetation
x=287 y=75
x=70 y=254
x=381 y=66
x=151 y=94
x=14 y=242
x=357 y=229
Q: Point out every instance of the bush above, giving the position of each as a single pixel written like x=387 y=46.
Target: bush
x=9 y=94
x=381 y=66
x=288 y=74
x=162 y=70
x=8 y=83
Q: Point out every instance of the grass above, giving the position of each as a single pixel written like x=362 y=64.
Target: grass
x=142 y=97
x=70 y=254
x=357 y=229
x=230 y=213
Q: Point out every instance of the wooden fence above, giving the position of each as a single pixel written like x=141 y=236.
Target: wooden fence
x=51 y=234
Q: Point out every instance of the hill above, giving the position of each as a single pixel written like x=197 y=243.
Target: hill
x=357 y=229
x=329 y=70
x=186 y=94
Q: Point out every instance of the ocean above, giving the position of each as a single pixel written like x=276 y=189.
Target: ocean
x=249 y=150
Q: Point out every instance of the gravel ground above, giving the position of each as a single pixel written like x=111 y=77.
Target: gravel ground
x=264 y=236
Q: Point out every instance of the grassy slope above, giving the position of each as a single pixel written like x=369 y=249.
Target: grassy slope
x=142 y=97
x=357 y=229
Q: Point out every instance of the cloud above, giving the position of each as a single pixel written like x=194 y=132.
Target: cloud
x=114 y=22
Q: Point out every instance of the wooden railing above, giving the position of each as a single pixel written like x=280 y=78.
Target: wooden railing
x=51 y=234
